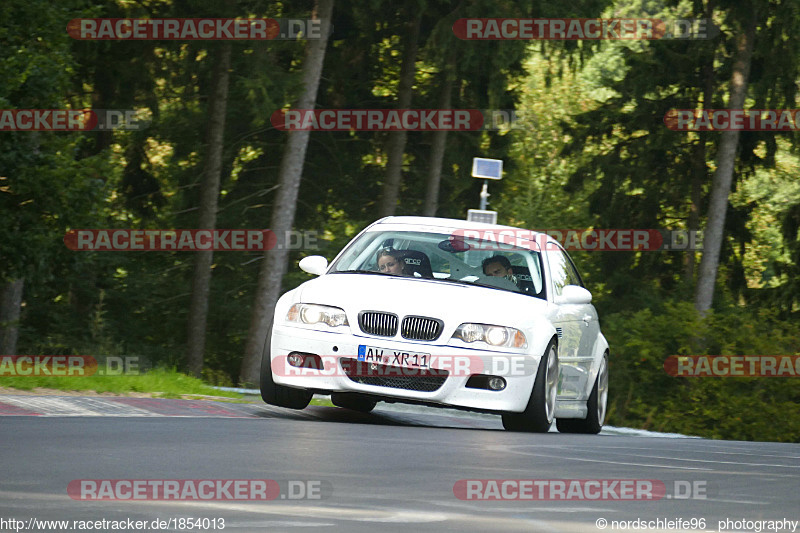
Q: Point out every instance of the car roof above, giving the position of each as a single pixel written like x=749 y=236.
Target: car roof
x=452 y=224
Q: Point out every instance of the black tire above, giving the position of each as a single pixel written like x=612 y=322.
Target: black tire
x=353 y=401
x=538 y=414
x=275 y=394
x=594 y=420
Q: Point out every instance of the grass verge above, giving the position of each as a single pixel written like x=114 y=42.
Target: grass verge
x=158 y=382
x=326 y=402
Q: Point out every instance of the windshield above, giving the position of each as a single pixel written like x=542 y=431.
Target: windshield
x=444 y=257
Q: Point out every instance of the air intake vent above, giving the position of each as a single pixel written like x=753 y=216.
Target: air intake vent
x=421 y=328
x=378 y=323
x=395 y=377
x=559 y=332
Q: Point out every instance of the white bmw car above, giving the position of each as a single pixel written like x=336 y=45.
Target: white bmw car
x=445 y=313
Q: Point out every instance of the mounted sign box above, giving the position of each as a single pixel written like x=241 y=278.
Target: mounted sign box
x=487 y=168
x=478 y=215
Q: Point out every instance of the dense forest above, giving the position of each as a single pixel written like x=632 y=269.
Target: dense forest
x=590 y=149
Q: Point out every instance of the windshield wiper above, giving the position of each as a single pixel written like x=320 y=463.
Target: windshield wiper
x=358 y=271
x=453 y=280
x=361 y=272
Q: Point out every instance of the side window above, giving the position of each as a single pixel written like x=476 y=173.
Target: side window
x=536 y=273
x=558 y=270
x=572 y=273
x=439 y=264
x=527 y=269
x=562 y=270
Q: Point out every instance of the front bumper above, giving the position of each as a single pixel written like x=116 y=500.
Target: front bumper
x=519 y=370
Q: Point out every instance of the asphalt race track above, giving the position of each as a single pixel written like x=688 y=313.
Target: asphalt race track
x=392 y=470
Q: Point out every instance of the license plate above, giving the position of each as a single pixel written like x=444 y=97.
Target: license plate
x=385 y=356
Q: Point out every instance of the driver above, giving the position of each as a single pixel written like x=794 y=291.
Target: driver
x=499 y=266
x=390 y=261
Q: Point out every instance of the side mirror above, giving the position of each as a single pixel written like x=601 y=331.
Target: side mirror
x=314 y=264
x=573 y=294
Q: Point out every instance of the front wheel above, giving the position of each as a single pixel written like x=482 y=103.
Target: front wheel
x=596 y=405
x=538 y=414
x=279 y=395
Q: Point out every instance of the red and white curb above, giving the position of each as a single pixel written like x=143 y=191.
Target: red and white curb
x=24 y=405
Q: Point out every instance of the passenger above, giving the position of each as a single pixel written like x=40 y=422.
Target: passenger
x=499 y=266
x=390 y=261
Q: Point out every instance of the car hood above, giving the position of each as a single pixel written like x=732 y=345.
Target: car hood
x=453 y=303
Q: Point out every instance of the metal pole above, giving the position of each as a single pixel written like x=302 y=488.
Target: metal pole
x=484 y=195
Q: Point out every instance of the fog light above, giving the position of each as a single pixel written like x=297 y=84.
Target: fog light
x=295 y=359
x=496 y=383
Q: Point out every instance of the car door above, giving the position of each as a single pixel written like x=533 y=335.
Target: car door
x=578 y=324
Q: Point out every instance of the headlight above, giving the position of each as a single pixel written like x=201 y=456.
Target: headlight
x=492 y=335
x=496 y=336
x=470 y=332
x=314 y=314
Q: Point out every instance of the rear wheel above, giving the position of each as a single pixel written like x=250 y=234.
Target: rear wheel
x=596 y=405
x=353 y=401
x=538 y=414
x=279 y=395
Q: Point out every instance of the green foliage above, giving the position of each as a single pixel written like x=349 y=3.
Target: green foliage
x=598 y=155
x=43 y=188
x=593 y=151
x=643 y=395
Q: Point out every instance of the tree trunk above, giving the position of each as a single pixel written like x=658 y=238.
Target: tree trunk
x=209 y=195
x=723 y=177
x=699 y=169
x=10 y=305
x=396 y=145
x=274 y=263
x=437 y=150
